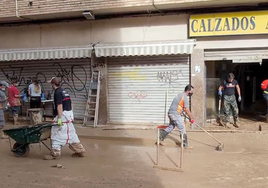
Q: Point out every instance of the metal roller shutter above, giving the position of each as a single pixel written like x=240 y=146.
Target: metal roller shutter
x=137 y=86
x=237 y=55
x=75 y=74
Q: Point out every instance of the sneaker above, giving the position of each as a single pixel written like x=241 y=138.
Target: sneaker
x=163 y=135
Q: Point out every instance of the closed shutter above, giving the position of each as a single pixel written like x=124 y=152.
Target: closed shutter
x=237 y=55
x=75 y=74
x=137 y=86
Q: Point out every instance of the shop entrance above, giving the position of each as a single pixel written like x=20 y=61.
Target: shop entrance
x=249 y=77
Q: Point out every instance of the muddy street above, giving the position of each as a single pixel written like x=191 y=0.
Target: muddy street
x=242 y=163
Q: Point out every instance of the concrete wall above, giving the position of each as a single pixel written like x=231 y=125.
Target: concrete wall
x=141 y=29
x=198 y=81
x=105 y=31
x=68 y=8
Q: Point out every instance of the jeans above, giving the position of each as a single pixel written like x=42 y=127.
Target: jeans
x=176 y=121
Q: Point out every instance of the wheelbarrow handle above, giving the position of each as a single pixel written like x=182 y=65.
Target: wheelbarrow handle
x=40 y=128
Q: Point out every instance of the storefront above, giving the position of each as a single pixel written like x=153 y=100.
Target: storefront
x=144 y=78
x=144 y=62
x=71 y=64
x=233 y=42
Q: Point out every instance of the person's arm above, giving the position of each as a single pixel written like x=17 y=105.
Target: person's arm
x=4 y=99
x=189 y=114
x=60 y=110
x=58 y=102
x=220 y=90
x=186 y=109
x=17 y=94
x=238 y=90
x=29 y=90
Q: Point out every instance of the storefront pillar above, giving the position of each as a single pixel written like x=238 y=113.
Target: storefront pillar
x=198 y=101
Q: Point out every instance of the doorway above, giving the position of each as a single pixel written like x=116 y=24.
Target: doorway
x=249 y=77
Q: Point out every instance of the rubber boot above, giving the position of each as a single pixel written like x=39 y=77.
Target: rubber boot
x=236 y=124
x=185 y=140
x=15 y=118
x=163 y=135
x=55 y=154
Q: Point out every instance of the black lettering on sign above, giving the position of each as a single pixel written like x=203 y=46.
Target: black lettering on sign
x=224 y=24
x=203 y=26
x=244 y=23
x=209 y=26
x=252 y=22
x=236 y=23
x=218 y=24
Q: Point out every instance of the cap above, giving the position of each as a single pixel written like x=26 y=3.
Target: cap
x=54 y=80
x=4 y=83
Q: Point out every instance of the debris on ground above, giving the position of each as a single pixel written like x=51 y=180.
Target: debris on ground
x=58 y=166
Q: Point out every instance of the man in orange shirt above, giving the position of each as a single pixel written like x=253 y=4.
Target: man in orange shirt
x=14 y=99
x=179 y=104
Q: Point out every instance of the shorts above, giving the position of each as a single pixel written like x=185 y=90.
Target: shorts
x=15 y=109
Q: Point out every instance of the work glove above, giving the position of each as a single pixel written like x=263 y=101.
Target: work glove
x=59 y=122
x=239 y=98
x=192 y=121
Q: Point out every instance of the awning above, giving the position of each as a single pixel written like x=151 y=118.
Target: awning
x=145 y=49
x=46 y=53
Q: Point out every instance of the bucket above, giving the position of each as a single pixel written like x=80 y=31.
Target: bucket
x=6 y=114
x=36 y=115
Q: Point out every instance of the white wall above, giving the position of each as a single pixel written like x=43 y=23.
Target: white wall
x=141 y=29
x=104 y=31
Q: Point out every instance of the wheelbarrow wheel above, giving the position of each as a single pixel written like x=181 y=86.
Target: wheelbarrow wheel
x=21 y=150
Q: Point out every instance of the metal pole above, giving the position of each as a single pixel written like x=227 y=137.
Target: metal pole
x=165 y=115
x=157 y=149
x=181 y=158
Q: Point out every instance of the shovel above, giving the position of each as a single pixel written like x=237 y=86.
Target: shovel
x=219 y=114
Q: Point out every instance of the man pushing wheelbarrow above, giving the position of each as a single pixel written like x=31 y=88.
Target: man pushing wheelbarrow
x=64 y=133
x=62 y=129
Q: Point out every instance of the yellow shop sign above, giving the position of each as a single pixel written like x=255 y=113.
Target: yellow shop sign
x=238 y=23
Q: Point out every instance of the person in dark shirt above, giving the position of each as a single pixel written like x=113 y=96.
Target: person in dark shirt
x=65 y=132
x=227 y=89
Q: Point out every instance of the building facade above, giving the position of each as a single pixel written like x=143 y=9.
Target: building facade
x=144 y=60
x=233 y=42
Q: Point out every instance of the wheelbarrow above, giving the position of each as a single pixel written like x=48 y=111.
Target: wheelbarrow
x=24 y=136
